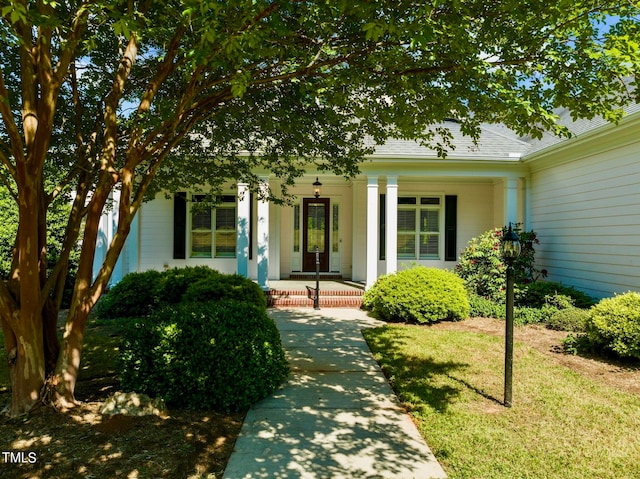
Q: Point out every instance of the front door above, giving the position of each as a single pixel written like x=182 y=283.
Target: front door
x=315 y=220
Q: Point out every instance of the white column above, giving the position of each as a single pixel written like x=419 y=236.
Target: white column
x=511 y=201
x=372 y=231
x=263 y=235
x=243 y=228
x=527 y=203
x=391 y=226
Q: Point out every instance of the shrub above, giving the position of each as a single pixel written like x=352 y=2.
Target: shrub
x=524 y=315
x=138 y=294
x=175 y=282
x=614 y=325
x=569 y=319
x=134 y=295
x=535 y=295
x=481 y=266
x=226 y=286
x=223 y=356
x=419 y=295
x=483 y=270
x=485 y=308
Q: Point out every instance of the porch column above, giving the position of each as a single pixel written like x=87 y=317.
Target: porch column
x=511 y=201
x=263 y=234
x=391 y=227
x=372 y=231
x=242 y=239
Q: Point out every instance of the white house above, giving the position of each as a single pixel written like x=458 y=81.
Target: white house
x=582 y=196
x=584 y=203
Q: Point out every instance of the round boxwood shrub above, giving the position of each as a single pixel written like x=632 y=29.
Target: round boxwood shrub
x=176 y=281
x=569 y=319
x=225 y=286
x=420 y=295
x=614 y=325
x=134 y=295
x=219 y=355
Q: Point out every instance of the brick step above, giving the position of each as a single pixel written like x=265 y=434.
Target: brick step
x=312 y=276
x=298 y=292
x=350 y=298
x=299 y=301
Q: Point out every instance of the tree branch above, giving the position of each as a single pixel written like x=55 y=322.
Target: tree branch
x=16 y=145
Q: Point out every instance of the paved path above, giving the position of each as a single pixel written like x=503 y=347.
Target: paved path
x=336 y=417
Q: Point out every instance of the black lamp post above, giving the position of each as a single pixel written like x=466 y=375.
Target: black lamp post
x=316 y=188
x=510 y=249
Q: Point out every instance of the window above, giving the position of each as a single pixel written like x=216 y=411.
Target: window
x=213 y=228
x=418 y=227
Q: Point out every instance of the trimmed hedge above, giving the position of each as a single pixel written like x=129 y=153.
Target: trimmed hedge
x=216 y=288
x=139 y=294
x=570 y=319
x=176 y=282
x=614 y=325
x=225 y=356
x=420 y=294
x=133 y=296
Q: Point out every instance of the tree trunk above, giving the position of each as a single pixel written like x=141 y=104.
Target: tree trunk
x=68 y=365
x=26 y=368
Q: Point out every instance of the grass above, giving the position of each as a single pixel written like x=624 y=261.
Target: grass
x=562 y=425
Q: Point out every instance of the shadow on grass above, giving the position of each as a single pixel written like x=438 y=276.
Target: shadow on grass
x=418 y=380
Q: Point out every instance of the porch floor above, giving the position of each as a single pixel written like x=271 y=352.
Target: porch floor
x=325 y=284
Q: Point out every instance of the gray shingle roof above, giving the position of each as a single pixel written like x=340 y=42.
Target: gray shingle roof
x=495 y=142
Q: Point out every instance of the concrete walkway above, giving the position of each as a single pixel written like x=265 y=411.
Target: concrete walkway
x=336 y=417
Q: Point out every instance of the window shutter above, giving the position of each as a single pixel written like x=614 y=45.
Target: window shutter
x=450 y=228
x=180 y=226
x=382 y=233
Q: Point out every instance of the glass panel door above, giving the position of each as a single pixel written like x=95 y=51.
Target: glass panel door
x=315 y=233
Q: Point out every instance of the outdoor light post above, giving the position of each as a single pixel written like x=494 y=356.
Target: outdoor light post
x=510 y=248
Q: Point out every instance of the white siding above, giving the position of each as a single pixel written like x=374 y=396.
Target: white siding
x=156 y=240
x=586 y=213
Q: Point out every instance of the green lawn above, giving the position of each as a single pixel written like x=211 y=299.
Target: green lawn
x=562 y=425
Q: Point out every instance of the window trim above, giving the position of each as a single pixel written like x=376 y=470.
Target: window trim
x=225 y=203
x=417 y=207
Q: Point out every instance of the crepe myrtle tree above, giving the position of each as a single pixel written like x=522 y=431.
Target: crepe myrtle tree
x=145 y=95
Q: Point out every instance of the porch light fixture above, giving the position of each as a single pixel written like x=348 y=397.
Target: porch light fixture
x=316 y=188
x=510 y=249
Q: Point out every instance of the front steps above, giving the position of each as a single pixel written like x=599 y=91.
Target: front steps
x=332 y=295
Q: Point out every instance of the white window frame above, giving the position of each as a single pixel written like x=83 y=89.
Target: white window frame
x=227 y=205
x=417 y=234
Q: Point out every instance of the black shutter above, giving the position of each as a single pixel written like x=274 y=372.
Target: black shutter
x=250 y=225
x=383 y=227
x=180 y=226
x=450 y=228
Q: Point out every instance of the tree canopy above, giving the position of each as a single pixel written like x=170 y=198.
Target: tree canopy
x=146 y=95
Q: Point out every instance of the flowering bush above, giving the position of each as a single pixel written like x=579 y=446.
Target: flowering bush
x=483 y=270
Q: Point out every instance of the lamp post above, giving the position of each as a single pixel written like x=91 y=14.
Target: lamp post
x=316 y=188
x=510 y=249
